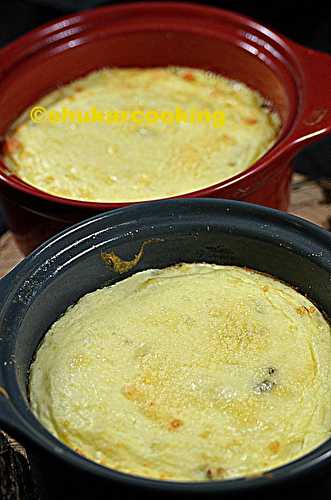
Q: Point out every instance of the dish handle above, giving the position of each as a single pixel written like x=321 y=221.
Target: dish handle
x=7 y=414
x=9 y=419
x=314 y=117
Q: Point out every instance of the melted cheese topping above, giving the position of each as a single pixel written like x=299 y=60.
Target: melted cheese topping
x=132 y=161
x=193 y=372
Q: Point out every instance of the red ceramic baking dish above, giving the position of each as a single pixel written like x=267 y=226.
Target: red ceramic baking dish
x=294 y=79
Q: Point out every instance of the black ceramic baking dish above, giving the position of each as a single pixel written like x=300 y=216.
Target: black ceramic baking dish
x=69 y=265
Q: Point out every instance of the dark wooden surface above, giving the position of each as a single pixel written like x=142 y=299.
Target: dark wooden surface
x=309 y=199
x=15 y=478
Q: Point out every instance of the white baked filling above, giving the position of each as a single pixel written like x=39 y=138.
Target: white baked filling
x=133 y=161
x=189 y=373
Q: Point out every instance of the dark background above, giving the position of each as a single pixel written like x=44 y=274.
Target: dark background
x=307 y=22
